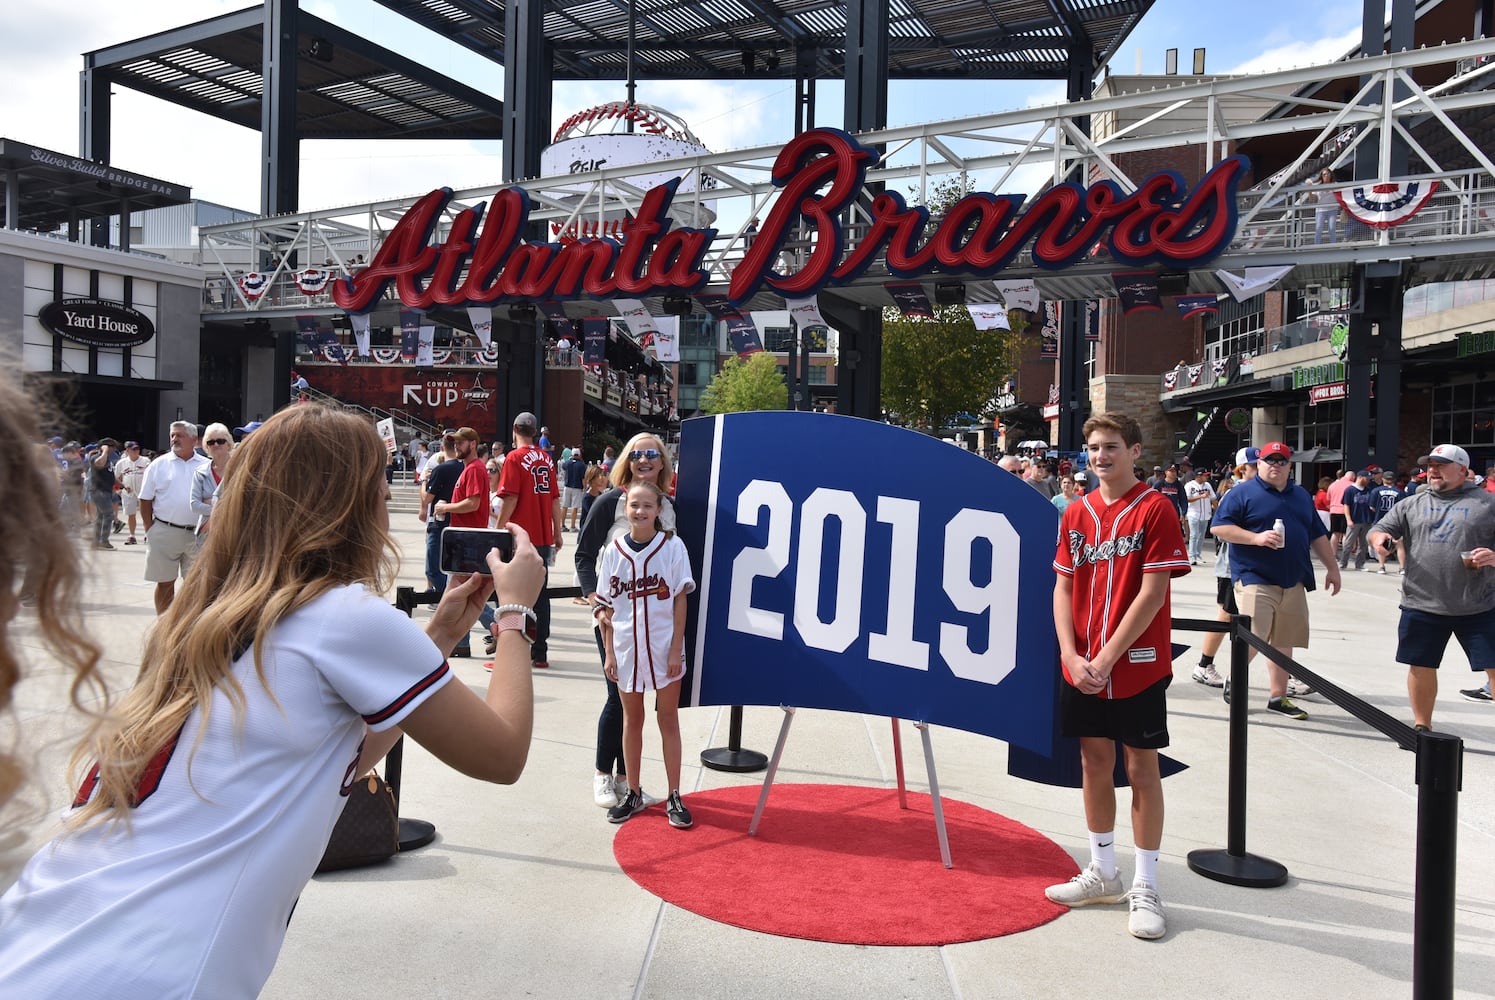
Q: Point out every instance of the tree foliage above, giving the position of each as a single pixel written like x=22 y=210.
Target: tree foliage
x=935 y=368
x=754 y=384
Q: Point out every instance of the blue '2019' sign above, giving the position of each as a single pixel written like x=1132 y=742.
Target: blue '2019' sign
x=850 y=565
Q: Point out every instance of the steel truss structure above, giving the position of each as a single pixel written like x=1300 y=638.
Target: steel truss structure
x=1452 y=237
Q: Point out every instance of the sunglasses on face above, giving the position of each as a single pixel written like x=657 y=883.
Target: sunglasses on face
x=638 y=455
x=218 y=441
x=1275 y=460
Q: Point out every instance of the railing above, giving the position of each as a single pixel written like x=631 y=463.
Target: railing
x=1439 y=775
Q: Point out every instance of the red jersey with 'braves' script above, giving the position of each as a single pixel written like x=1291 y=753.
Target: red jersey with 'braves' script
x=1106 y=548
x=529 y=477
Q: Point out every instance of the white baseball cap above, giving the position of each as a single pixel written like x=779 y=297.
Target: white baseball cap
x=1446 y=453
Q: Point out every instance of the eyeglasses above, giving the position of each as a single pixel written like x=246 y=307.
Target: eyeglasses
x=638 y=455
x=219 y=441
x=1275 y=460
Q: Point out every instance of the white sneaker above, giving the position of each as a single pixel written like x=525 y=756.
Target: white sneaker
x=649 y=800
x=603 y=792
x=1087 y=887
x=1206 y=674
x=1146 y=920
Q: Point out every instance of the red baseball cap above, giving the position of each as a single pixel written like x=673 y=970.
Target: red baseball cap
x=1275 y=449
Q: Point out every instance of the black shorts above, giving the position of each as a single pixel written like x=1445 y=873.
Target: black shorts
x=1140 y=721
x=1225 y=595
x=1337 y=524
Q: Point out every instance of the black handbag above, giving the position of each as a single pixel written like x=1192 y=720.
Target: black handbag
x=368 y=831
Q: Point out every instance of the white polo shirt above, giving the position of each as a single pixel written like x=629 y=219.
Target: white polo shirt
x=193 y=898
x=167 y=484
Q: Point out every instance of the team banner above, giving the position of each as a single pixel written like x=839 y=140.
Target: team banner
x=667 y=339
x=409 y=334
x=1138 y=291
x=743 y=335
x=331 y=347
x=594 y=341
x=306 y=329
x=824 y=585
x=718 y=307
x=481 y=318
x=360 y=323
x=1019 y=294
x=425 y=345
x=1049 y=333
x=806 y=313
x=553 y=311
x=640 y=323
x=910 y=299
x=1190 y=306
x=1385 y=205
x=1092 y=319
x=989 y=315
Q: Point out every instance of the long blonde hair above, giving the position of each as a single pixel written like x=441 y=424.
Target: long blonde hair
x=622 y=473
x=301 y=510
x=39 y=562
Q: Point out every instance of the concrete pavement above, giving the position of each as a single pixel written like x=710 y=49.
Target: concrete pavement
x=520 y=895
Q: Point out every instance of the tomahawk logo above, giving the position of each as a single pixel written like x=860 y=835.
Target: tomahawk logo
x=1081 y=553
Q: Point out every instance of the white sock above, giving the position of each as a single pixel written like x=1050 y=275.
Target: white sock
x=1147 y=868
x=1103 y=852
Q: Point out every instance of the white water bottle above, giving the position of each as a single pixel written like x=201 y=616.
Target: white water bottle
x=1281 y=530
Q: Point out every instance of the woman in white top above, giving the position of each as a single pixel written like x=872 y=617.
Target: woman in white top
x=277 y=677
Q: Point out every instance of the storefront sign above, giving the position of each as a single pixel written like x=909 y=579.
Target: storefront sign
x=1331 y=371
x=591 y=387
x=1331 y=392
x=1051 y=412
x=1471 y=343
x=483 y=260
x=96 y=323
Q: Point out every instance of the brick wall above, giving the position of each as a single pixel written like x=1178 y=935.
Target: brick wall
x=1137 y=396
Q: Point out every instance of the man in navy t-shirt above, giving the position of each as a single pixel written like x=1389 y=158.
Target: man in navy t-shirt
x=1273 y=571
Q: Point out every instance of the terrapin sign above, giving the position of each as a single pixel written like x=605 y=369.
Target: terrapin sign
x=97 y=323
x=483 y=259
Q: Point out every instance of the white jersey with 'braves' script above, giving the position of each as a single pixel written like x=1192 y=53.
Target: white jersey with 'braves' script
x=192 y=898
x=640 y=586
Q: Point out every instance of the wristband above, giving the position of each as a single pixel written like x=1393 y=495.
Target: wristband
x=518 y=618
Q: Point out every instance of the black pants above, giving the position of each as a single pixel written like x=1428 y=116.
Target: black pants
x=609 y=723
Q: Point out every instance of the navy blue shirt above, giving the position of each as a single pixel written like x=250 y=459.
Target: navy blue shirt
x=1383 y=498
x=1254 y=505
x=1360 y=505
x=1174 y=491
x=440 y=483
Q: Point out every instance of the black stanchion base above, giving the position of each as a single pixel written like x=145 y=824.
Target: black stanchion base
x=1247 y=870
x=415 y=833
x=728 y=759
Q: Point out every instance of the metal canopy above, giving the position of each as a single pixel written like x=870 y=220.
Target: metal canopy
x=346 y=86
x=768 y=39
x=56 y=188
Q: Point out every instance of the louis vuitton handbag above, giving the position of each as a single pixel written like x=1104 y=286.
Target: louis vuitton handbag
x=368 y=831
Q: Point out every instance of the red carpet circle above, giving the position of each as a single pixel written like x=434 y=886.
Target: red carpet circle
x=845 y=864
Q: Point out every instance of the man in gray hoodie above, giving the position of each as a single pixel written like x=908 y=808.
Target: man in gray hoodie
x=1448 y=583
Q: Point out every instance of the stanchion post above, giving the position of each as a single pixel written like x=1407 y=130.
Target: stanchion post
x=1234 y=865
x=1440 y=764
x=733 y=757
x=414 y=833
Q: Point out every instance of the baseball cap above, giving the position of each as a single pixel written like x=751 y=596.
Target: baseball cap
x=54 y=439
x=1363 y=472
x=525 y=423
x=131 y=444
x=1157 y=468
x=1275 y=449
x=1247 y=456
x=1201 y=471
x=1446 y=453
x=466 y=434
x=248 y=428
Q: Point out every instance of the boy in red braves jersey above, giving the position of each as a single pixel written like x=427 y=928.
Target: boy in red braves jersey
x=1119 y=546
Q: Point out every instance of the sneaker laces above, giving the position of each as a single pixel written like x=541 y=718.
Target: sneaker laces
x=1089 y=878
x=1144 y=897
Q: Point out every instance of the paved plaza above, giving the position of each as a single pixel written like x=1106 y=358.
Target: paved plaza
x=520 y=895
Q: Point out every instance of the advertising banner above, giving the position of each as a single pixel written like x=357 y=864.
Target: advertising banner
x=827 y=584
x=446 y=398
x=409 y=334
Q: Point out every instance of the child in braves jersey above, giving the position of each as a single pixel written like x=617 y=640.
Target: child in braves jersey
x=641 y=588
x=1119 y=546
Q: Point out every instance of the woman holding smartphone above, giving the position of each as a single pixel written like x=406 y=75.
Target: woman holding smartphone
x=643 y=457
x=277 y=677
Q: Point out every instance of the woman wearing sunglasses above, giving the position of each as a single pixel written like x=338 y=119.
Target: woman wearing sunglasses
x=205 y=478
x=643 y=457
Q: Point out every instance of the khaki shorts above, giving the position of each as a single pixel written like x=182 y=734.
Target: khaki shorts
x=1278 y=615
x=171 y=551
x=130 y=503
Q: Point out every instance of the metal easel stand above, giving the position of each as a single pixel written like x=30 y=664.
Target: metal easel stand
x=934 y=785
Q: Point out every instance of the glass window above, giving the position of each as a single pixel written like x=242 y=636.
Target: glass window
x=817 y=374
x=777 y=338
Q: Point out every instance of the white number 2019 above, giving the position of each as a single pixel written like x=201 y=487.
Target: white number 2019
x=895 y=644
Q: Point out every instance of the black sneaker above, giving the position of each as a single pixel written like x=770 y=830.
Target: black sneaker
x=462 y=650
x=119 y=526
x=490 y=644
x=1284 y=706
x=628 y=807
x=678 y=814
x=1478 y=694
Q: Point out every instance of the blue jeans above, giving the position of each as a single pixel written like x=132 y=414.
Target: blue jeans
x=1198 y=528
x=434 y=576
x=103 y=520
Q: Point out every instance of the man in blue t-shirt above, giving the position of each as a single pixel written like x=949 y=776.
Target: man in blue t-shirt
x=1273 y=571
x=1382 y=499
x=1360 y=514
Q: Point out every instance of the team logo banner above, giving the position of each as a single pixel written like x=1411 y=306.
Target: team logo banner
x=409 y=334
x=1049 y=335
x=1092 y=319
x=989 y=315
x=1137 y=290
x=425 y=345
x=553 y=311
x=910 y=299
x=667 y=339
x=744 y=335
x=1190 y=306
x=1019 y=294
x=360 y=323
x=806 y=313
x=594 y=341
x=640 y=323
x=827 y=584
x=306 y=329
x=481 y=318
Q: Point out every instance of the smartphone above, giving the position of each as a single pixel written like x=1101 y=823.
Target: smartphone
x=465 y=550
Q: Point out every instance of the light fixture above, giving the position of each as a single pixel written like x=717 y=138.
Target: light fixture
x=949 y=293
x=678 y=305
x=321 y=50
x=522 y=312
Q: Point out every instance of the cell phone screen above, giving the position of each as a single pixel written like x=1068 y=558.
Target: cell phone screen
x=465 y=550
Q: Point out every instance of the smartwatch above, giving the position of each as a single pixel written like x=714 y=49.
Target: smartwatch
x=519 y=618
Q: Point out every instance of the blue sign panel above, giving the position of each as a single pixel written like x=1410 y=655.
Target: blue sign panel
x=849 y=565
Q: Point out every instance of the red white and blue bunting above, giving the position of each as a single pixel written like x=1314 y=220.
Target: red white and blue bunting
x=1385 y=205
x=313 y=280
x=254 y=284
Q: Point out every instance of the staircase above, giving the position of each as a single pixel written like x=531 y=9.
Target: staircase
x=404 y=498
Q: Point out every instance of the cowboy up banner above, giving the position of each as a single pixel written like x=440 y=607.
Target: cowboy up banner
x=824 y=584
x=443 y=398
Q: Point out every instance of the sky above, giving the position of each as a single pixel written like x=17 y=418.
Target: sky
x=39 y=92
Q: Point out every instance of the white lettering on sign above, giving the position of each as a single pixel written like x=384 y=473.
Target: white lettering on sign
x=977 y=544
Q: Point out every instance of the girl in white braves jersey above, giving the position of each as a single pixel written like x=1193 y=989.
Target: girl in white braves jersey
x=641 y=590
x=277 y=677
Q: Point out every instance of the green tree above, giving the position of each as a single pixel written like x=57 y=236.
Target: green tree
x=754 y=384
x=935 y=368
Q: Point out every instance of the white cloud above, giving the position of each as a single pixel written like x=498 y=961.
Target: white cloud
x=1300 y=52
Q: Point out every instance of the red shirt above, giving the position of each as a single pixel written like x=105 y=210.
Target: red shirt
x=1106 y=549
x=529 y=477
x=472 y=482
